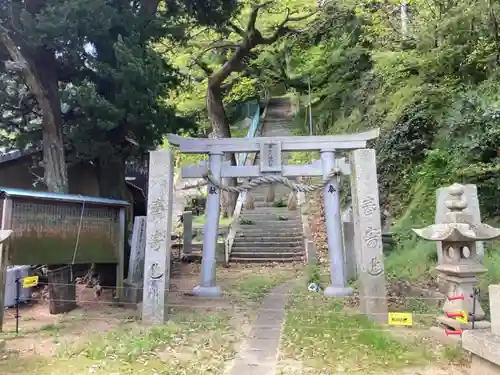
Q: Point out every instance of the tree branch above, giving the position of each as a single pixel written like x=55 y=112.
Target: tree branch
x=203 y=66
x=238 y=30
x=282 y=28
x=253 y=15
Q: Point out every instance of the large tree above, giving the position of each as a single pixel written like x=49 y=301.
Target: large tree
x=97 y=57
x=38 y=66
x=226 y=62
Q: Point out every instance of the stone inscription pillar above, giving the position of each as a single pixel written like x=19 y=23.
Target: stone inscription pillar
x=207 y=287
x=338 y=280
x=158 y=237
x=368 y=234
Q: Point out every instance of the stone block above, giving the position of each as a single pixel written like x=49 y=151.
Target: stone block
x=485 y=349
x=311 y=252
x=137 y=249
x=494 y=292
x=220 y=252
x=481 y=366
x=349 y=255
x=470 y=194
x=187 y=221
x=368 y=234
x=132 y=293
x=62 y=290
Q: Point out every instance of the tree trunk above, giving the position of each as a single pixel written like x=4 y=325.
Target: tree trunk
x=54 y=160
x=40 y=72
x=221 y=129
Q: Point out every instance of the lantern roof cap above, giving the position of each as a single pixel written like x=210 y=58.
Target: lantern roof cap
x=457 y=225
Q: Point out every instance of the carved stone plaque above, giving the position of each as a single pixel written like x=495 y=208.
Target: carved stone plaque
x=270 y=157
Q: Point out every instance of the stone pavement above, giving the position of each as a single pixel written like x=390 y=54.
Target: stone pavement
x=259 y=355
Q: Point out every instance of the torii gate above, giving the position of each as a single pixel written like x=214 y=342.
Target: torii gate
x=364 y=188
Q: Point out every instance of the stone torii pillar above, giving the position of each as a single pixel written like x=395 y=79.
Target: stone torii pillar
x=208 y=287
x=338 y=281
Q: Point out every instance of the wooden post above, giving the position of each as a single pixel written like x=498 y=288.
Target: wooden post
x=4 y=253
x=120 y=268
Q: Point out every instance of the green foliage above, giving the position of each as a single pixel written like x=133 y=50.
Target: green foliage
x=432 y=92
x=208 y=50
x=313 y=274
x=246 y=222
x=112 y=83
x=279 y=203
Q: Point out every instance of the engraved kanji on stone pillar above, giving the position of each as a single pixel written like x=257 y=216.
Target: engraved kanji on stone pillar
x=368 y=234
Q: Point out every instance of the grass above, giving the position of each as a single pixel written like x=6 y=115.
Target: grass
x=255 y=287
x=321 y=334
x=134 y=349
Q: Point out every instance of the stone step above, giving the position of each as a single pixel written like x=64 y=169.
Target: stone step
x=262 y=204
x=265 y=233
x=277 y=196
x=253 y=214
x=271 y=219
x=256 y=247
x=269 y=237
x=263 y=217
x=269 y=209
x=269 y=251
x=270 y=216
x=267 y=260
x=273 y=257
x=278 y=123
x=271 y=226
x=285 y=243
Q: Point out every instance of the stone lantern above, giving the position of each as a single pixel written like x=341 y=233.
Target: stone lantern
x=460 y=268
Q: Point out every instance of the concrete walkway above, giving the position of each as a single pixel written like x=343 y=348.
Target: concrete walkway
x=259 y=355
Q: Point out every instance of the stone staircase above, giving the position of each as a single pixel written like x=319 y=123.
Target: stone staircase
x=270 y=232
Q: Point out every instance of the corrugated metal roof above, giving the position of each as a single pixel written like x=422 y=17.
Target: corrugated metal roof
x=21 y=193
x=14 y=154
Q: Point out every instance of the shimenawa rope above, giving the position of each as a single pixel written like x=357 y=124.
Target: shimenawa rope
x=272 y=179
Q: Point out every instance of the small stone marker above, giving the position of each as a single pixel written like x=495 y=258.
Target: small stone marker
x=292 y=201
x=158 y=237
x=270 y=193
x=494 y=291
x=348 y=238
x=137 y=249
x=472 y=208
x=187 y=221
x=311 y=252
x=368 y=234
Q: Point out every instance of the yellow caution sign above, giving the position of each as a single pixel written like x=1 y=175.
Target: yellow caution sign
x=400 y=319
x=30 y=281
x=464 y=318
